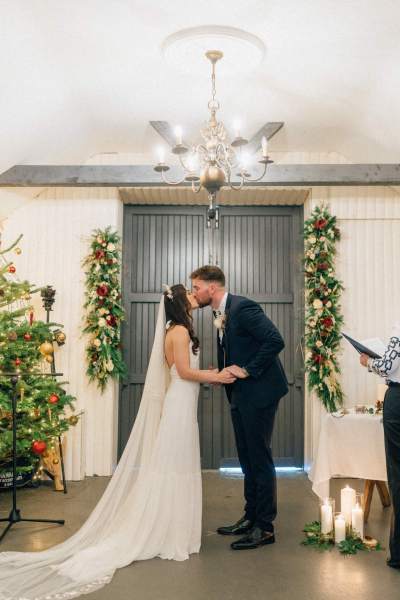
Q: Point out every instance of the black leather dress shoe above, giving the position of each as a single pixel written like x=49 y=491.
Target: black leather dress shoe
x=255 y=538
x=395 y=564
x=244 y=525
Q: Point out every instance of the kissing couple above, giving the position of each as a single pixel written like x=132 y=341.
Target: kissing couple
x=152 y=506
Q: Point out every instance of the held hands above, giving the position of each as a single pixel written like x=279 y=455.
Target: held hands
x=223 y=376
x=364 y=360
x=237 y=371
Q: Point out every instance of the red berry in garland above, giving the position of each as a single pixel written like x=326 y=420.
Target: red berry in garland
x=53 y=398
x=102 y=290
x=18 y=361
x=27 y=337
x=11 y=269
x=99 y=254
x=38 y=447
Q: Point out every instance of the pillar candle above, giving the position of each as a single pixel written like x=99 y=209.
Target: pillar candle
x=357 y=520
x=340 y=529
x=326 y=518
x=347 y=502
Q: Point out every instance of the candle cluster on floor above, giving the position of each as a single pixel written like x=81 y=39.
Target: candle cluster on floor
x=344 y=529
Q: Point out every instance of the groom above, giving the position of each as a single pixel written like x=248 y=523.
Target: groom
x=248 y=346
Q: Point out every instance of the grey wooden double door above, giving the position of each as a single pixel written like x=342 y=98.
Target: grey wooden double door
x=259 y=249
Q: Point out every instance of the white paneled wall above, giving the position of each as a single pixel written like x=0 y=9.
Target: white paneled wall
x=56 y=228
x=367 y=262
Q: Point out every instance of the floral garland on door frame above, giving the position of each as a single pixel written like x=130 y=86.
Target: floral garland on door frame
x=104 y=311
x=323 y=312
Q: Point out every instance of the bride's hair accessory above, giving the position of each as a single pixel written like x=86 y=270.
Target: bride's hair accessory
x=168 y=290
x=168 y=325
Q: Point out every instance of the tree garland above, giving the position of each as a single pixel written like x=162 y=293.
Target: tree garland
x=323 y=311
x=104 y=308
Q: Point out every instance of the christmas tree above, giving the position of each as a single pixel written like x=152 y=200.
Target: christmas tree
x=26 y=348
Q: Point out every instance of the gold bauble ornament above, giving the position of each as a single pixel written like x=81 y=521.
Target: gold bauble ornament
x=73 y=420
x=18 y=251
x=49 y=358
x=46 y=348
x=55 y=461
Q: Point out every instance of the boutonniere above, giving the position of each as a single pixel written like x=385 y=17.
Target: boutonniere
x=220 y=322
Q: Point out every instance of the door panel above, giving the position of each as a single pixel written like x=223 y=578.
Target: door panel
x=259 y=249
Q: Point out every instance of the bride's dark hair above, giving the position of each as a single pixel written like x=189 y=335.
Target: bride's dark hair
x=178 y=311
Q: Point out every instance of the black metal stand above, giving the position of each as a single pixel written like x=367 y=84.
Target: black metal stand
x=15 y=513
x=48 y=296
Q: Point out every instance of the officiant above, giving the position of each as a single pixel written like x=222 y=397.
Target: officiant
x=388 y=366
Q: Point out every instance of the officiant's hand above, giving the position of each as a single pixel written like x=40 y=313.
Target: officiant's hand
x=237 y=371
x=364 y=360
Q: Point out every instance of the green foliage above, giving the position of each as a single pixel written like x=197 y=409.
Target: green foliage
x=38 y=418
x=351 y=545
x=104 y=308
x=323 y=312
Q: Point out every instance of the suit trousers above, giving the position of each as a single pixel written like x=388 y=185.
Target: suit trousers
x=253 y=429
x=391 y=426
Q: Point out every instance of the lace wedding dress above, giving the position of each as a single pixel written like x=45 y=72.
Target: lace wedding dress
x=150 y=508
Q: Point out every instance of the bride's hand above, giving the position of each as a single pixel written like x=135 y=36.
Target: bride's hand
x=225 y=377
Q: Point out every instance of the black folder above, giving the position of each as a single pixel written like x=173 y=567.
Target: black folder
x=360 y=348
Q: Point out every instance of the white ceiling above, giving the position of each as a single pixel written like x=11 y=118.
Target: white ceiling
x=82 y=77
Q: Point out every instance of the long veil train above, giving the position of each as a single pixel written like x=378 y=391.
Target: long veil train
x=113 y=535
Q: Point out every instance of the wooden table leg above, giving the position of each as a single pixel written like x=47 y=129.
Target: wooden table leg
x=368 y=491
x=383 y=493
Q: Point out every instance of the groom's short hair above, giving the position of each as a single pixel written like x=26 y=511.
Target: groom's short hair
x=209 y=273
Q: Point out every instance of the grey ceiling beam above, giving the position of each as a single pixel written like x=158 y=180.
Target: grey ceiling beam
x=269 y=130
x=165 y=130
x=145 y=176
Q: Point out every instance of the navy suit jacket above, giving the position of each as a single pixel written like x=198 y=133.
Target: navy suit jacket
x=252 y=341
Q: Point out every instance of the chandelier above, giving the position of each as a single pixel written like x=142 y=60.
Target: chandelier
x=213 y=163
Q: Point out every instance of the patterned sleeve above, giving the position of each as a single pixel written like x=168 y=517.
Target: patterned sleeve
x=390 y=361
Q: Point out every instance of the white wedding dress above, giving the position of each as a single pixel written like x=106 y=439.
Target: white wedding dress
x=151 y=507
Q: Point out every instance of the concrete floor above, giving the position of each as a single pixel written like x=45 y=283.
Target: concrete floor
x=283 y=571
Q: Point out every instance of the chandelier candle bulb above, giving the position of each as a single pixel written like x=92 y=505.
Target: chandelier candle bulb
x=236 y=127
x=264 y=145
x=357 y=520
x=178 y=135
x=161 y=155
x=347 y=502
x=340 y=528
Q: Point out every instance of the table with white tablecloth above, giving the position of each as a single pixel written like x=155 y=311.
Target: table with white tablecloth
x=350 y=446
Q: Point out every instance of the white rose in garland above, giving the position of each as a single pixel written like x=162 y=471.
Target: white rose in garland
x=104 y=311
x=323 y=313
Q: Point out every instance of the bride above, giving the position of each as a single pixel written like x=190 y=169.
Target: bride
x=152 y=504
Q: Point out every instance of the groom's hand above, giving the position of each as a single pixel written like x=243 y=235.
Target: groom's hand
x=237 y=371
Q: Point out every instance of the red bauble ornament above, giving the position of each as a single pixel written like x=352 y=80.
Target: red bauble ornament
x=11 y=269
x=18 y=361
x=99 y=254
x=102 y=290
x=53 y=398
x=27 y=337
x=39 y=446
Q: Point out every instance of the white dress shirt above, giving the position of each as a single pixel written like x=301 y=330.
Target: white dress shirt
x=221 y=310
x=389 y=365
